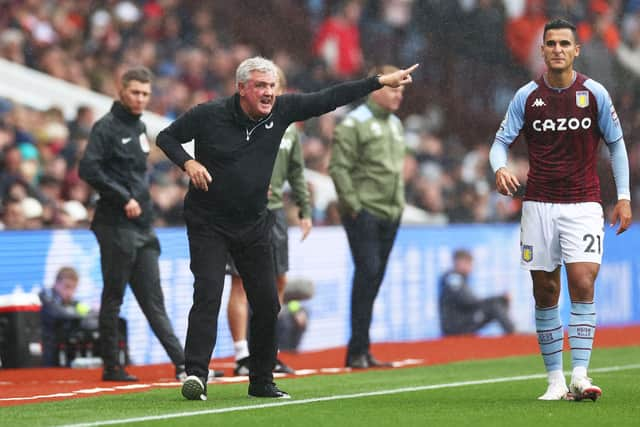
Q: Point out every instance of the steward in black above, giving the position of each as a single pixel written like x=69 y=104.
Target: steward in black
x=236 y=154
x=115 y=164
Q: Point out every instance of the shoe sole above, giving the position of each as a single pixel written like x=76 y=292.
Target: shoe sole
x=592 y=393
x=192 y=389
x=251 y=396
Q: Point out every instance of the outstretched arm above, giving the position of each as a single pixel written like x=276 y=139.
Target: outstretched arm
x=398 y=78
x=299 y=107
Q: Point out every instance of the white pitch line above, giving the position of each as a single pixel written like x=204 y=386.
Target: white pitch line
x=337 y=397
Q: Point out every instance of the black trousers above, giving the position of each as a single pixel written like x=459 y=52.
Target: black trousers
x=250 y=249
x=371 y=239
x=131 y=256
x=471 y=319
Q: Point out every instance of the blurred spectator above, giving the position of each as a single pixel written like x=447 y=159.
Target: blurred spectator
x=461 y=311
x=523 y=36
x=599 y=37
x=337 y=40
x=61 y=317
x=391 y=37
x=12 y=215
x=32 y=210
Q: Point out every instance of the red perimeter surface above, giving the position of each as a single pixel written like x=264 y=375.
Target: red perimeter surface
x=33 y=385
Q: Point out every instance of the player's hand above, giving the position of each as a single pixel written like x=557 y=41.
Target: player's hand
x=398 y=78
x=198 y=174
x=622 y=214
x=305 y=226
x=506 y=182
x=132 y=209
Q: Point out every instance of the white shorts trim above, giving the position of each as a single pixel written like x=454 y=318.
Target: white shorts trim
x=553 y=233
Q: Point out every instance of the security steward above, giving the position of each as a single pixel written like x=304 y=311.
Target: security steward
x=115 y=165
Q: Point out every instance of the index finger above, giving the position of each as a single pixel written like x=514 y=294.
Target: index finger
x=413 y=67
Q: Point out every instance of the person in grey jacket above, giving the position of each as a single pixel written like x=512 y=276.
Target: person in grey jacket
x=115 y=165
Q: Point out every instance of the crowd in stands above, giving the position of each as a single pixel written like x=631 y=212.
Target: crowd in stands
x=474 y=55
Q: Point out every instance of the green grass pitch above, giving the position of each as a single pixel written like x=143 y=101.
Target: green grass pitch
x=499 y=392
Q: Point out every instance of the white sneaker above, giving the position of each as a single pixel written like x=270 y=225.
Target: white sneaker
x=193 y=388
x=582 y=388
x=555 y=391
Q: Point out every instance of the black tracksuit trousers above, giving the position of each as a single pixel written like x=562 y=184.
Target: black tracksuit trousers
x=250 y=248
x=131 y=256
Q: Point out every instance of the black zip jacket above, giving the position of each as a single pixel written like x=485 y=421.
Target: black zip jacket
x=115 y=164
x=239 y=153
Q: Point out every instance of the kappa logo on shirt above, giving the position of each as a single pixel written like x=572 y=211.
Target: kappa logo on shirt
x=126 y=140
x=538 y=103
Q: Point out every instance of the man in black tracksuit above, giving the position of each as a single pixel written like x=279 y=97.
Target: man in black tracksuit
x=236 y=143
x=115 y=164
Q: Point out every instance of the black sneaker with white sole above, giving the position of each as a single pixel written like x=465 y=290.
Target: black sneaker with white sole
x=242 y=367
x=282 y=368
x=267 y=390
x=194 y=388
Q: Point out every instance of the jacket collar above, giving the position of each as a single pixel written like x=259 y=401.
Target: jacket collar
x=123 y=114
x=377 y=110
x=233 y=105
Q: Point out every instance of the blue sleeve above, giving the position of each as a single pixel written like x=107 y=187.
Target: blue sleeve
x=498 y=155
x=510 y=127
x=607 y=117
x=620 y=166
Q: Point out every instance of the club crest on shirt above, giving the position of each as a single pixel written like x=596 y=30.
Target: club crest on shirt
x=582 y=98
x=527 y=253
x=144 y=142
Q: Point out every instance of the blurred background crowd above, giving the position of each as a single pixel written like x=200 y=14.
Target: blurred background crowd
x=474 y=55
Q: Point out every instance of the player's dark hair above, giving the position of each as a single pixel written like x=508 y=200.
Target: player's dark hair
x=559 y=24
x=139 y=74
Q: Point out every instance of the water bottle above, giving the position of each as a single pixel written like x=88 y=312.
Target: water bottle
x=62 y=355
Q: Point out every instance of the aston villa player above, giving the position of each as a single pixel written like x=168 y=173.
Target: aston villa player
x=563 y=115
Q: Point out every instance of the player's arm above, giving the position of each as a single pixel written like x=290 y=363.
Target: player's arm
x=611 y=130
x=92 y=167
x=506 y=181
x=170 y=141
x=620 y=166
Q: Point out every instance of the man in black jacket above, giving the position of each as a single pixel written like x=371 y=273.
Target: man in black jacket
x=115 y=164
x=461 y=311
x=236 y=143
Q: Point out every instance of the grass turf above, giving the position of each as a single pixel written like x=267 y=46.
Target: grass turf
x=441 y=395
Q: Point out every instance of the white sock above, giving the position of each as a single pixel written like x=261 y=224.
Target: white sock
x=556 y=376
x=579 y=372
x=241 y=348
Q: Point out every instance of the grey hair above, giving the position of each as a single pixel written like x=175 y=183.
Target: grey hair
x=256 y=63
